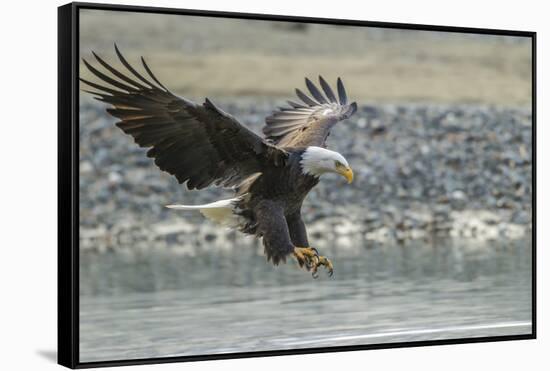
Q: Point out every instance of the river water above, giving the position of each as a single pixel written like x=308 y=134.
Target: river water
x=158 y=302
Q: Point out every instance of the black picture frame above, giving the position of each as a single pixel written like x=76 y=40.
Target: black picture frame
x=68 y=180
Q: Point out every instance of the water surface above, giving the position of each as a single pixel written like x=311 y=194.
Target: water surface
x=157 y=303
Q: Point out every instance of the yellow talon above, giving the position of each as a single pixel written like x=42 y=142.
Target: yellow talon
x=305 y=256
x=328 y=265
x=309 y=257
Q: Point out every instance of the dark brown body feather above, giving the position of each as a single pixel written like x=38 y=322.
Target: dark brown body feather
x=202 y=145
x=272 y=199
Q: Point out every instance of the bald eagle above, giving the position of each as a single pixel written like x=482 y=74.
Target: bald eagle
x=201 y=145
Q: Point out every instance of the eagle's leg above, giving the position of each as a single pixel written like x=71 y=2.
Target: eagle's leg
x=310 y=258
x=306 y=256
x=321 y=260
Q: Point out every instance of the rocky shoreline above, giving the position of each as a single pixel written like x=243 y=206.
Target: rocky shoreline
x=421 y=172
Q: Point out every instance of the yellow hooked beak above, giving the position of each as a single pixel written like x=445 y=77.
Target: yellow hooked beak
x=346 y=172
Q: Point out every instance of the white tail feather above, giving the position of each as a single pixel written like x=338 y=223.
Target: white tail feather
x=220 y=211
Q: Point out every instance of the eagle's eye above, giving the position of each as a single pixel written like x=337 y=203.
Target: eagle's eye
x=338 y=164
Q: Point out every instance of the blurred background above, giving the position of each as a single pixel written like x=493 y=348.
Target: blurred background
x=431 y=241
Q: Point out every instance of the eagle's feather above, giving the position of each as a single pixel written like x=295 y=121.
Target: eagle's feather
x=198 y=144
x=309 y=123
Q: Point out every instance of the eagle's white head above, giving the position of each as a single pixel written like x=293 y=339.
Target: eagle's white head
x=317 y=161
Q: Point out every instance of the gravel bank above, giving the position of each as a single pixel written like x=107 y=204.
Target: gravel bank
x=421 y=171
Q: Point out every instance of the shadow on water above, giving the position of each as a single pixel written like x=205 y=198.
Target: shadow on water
x=137 y=304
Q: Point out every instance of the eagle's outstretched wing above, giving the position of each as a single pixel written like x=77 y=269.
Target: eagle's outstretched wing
x=200 y=144
x=308 y=123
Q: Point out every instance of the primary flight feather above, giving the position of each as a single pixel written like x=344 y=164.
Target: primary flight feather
x=201 y=145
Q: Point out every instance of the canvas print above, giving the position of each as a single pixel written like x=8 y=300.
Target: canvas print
x=252 y=185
